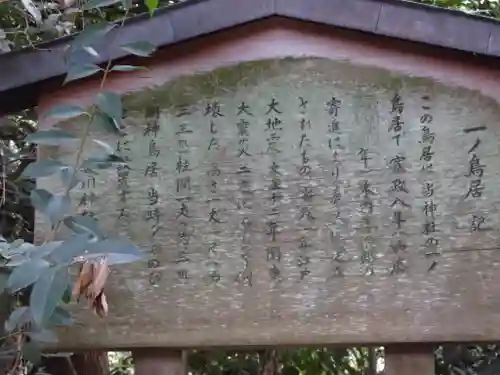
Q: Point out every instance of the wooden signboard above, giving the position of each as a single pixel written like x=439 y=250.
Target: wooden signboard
x=298 y=201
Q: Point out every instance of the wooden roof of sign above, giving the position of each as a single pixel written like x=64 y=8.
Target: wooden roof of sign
x=25 y=73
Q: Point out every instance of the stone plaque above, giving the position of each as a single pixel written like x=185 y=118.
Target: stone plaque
x=298 y=201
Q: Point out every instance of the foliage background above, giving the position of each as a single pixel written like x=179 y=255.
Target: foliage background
x=23 y=24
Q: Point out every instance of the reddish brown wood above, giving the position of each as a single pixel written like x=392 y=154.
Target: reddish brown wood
x=409 y=360
x=159 y=362
x=93 y=362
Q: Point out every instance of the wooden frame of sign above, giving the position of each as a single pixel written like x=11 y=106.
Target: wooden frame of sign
x=295 y=184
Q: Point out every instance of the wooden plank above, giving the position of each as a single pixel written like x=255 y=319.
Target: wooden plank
x=346 y=236
x=409 y=360
x=159 y=362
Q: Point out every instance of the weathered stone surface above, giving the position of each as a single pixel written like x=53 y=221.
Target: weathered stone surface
x=362 y=242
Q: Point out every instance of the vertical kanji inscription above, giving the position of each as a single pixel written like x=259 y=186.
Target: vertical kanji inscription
x=273 y=130
x=478 y=221
x=213 y=113
x=183 y=193
x=398 y=190
x=245 y=193
x=430 y=229
x=306 y=216
x=151 y=171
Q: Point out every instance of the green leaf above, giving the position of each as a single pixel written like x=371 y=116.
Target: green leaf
x=73 y=247
x=33 y=10
x=91 y=33
x=40 y=199
x=47 y=293
x=32 y=353
x=81 y=71
x=39 y=252
x=127 y=68
x=66 y=298
x=4 y=277
x=60 y=317
x=94 y=4
x=69 y=178
x=42 y=168
x=52 y=137
x=17 y=260
x=17 y=318
x=103 y=161
x=64 y=111
x=116 y=252
x=44 y=336
x=111 y=104
x=109 y=150
x=83 y=224
x=26 y=274
x=103 y=121
x=5 y=304
x=91 y=51
x=57 y=208
x=139 y=48
x=152 y=5
x=17 y=243
x=127 y=4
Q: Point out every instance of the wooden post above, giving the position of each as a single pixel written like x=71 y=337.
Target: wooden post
x=372 y=361
x=159 y=362
x=409 y=360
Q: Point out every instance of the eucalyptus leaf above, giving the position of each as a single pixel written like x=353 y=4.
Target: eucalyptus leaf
x=109 y=150
x=60 y=317
x=90 y=34
x=83 y=224
x=116 y=251
x=51 y=137
x=58 y=207
x=91 y=51
x=17 y=260
x=66 y=298
x=110 y=103
x=64 y=111
x=5 y=304
x=94 y=4
x=73 y=247
x=25 y=248
x=103 y=161
x=31 y=352
x=40 y=198
x=18 y=242
x=44 y=336
x=33 y=10
x=47 y=293
x=127 y=4
x=92 y=163
x=26 y=274
x=69 y=178
x=105 y=122
x=4 y=277
x=42 y=168
x=127 y=68
x=140 y=48
x=44 y=250
x=17 y=318
x=78 y=71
